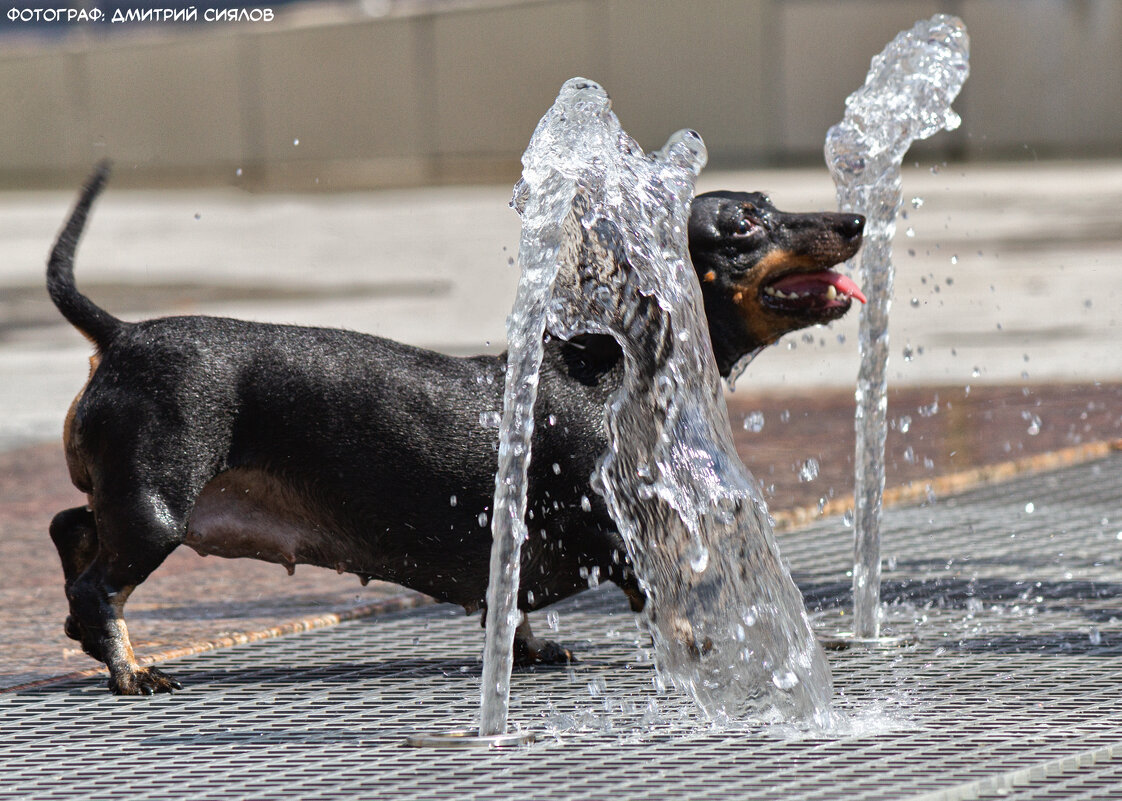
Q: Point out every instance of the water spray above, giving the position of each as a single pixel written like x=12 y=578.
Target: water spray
x=907 y=96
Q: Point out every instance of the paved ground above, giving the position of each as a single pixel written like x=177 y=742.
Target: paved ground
x=1012 y=333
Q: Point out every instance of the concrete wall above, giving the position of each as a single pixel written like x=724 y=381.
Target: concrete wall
x=454 y=96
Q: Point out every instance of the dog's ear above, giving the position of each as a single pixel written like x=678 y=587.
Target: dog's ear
x=703 y=226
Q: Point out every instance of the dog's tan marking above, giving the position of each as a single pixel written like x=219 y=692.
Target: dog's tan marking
x=79 y=474
x=251 y=513
x=767 y=326
x=782 y=259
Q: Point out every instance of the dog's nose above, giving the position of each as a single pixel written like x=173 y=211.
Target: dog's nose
x=851 y=226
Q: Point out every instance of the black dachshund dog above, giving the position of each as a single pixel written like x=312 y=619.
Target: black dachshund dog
x=334 y=448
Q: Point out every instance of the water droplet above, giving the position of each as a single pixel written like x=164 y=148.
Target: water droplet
x=808 y=470
x=910 y=232
x=490 y=419
x=238 y=172
x=482 y=519
x=585 y=504
x=977 y=371
x=784 y=680
x=909 y=354
x=847 y=518
x=700 y=560
x=593 y=578
x=556 y=469
x=954 y=259
x=915 y=303
x=917 y=202
x=295 y=142
x=452 y=500
x=754 y=422
x=198 y=216
x=910 y=455
x=1030 y=507
x=904 y=424
x=1095 y=636
x=553 y=620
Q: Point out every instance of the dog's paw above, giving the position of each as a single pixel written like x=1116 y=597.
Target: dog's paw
x=143 y=681
x=683 y=633
x=541 y=652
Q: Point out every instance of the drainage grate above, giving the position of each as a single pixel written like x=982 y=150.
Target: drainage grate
x=1013 y=690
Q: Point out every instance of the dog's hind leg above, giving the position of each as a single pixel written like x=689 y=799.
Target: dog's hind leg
x=74 y=534
x=132 y=539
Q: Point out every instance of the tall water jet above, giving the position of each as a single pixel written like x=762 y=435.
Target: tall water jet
x=551 y=172
x=907 y=96
x=604 y=230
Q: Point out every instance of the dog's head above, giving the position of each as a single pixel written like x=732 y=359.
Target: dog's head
x=765 y=272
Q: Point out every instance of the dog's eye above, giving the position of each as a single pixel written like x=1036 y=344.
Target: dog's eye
x=744 y=225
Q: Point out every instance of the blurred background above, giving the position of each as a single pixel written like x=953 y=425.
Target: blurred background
x=341 y=95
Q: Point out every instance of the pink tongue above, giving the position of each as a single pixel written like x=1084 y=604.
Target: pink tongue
x=809 y=282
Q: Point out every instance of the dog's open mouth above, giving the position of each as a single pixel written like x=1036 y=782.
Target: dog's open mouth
x=813 y=294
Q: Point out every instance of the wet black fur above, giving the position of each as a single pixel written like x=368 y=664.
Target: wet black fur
x=375 y=436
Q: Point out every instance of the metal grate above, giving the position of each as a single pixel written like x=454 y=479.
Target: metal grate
x=1013 y=690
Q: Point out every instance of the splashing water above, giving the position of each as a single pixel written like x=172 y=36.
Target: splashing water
x=906 y=96
x=544 y=197
x=606 y=224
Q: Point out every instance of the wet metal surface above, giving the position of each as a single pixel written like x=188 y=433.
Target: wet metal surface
x=1014 y=593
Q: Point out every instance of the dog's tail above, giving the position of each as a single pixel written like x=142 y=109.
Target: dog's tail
x=98 y=325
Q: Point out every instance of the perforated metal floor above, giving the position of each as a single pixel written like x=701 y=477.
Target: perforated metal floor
x=1014 y=689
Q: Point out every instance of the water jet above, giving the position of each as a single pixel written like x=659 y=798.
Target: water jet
x=906 y=96
x=604 y=251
